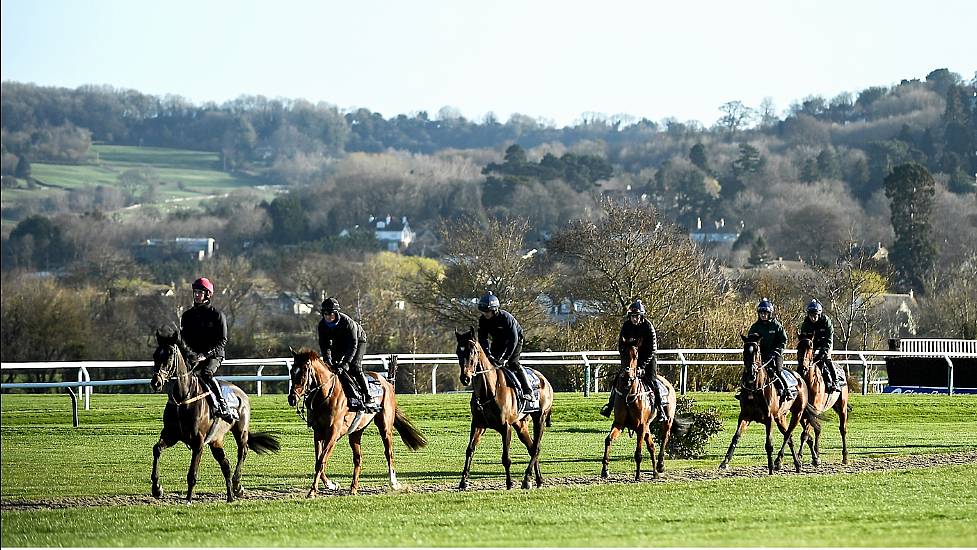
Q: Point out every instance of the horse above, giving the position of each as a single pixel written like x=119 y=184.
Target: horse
x=759 y=402
x=634 y=409
x=496 y=405
x=820 y=399
x=187 y=418
x=325 y=403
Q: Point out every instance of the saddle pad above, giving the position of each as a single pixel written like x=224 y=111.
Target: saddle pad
x=840 y=375
x=525 y=406
x=232 y=400
x=662 y=388
x=376 y=390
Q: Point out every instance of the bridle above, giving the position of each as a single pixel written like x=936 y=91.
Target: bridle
x=167 y=373
x=755 y=368
x=310 y=389
x=472 y=358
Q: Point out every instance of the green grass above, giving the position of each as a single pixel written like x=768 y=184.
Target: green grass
x=110 y=454
x=182 y=174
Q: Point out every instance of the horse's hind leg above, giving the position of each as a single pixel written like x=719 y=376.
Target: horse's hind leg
x=650 y=443
x=241 y=436
x=385 y=425
x=740 y=428
x=615 y=432
x=355 y=444
x=639 y=450
x=217 y=449
x=841 y=407
x=667 y=433
x=788 y=433
x=538 y=428
x=474 y=437
x=522 y=431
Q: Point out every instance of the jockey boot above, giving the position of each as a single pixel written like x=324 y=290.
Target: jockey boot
x=523 y=378
x=607 y=409
x=830 y=376
x=368 y=400
x=220 y=406
x=782 y=377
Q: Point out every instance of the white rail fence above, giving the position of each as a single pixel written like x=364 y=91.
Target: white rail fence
x=870 y=363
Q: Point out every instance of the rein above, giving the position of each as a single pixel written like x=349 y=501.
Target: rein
x=186 y=375
x=763 y=387
x=310 y=391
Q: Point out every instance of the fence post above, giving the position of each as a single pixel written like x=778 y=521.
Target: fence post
x=74 y=405
x=865 y=373
x=392 y=371
x=258 y=382
x=586 y=375
x=683 y=376
x=434 y=379
x=949 y=375
x=83 y=376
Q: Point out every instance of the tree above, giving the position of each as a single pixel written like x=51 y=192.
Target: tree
x=23 y=169
x=699 y=158
x=735 y=117
x=478 y=258
x=759 y=254
x=631 y=252
x=910 y=189
x=850 y=291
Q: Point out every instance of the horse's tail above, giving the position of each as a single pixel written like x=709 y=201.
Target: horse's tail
x=811 y=415
x=263 y=442
x=411 y=436
x=681 y=424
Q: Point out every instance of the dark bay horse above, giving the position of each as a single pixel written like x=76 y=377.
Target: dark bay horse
x=329 y=416
x=187 y=418
x=820 y=399
x=495 y=405
x=760 y=403
x=634 y=410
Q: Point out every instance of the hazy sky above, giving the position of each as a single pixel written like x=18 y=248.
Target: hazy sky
x=551 y=60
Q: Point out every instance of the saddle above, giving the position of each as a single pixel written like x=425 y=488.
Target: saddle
x=841 y=379
x=353 y=398
x=790 y=392
x=232 y=400
x=524 y=405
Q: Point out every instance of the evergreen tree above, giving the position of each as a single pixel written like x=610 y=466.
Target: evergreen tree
x=23 y=169
x=911 y=188
x=828 y=164
x=697 y=155
x=759 y=254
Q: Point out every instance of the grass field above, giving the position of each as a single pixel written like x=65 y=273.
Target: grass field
x=185 y=175
x=47 y=462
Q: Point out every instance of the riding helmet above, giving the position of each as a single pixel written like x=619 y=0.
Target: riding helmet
x=765 y=305
x=489 y=302
x=329 y=305
x=814 y=306
x=637 y=307
x=203 y=283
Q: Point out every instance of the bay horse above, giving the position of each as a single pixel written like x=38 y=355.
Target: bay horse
x=634 y=410
x=326 y=405
x=495 y=405
x=759 y=402
x=820 y=399
x=187 y=419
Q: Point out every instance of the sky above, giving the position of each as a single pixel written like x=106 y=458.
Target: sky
x=555 y=61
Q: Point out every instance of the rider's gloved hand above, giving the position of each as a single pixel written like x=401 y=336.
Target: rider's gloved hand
x=194 y=357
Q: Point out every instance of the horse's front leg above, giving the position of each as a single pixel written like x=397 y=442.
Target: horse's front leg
x=534 y=449
x=788 y=440
x=196 y=450
x=474 y=437
x=506 y=460
x=242 y=454
x=355 y=444
x=768 y=445
x=327 y=442
x=841 y=407
x=740 y=428
x=157 y=451
x=650 y=443
x=615 y=432
x=217 y=449
x=642 y=431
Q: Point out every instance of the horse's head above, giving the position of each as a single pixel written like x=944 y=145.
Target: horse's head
x=166 y=359
x=469 y=353
x=299 y=374
x=629 y=358
x=805 y=350
x=751 y=359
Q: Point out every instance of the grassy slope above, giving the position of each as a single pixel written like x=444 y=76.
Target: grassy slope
x=111 y=454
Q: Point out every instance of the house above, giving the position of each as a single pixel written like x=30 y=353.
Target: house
x=899 y=313
x=395 y=235
x=179 y=248
x=717 y=234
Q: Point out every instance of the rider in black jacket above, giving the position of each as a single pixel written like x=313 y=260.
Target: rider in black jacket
x=342 y=342
x=506 y=335
x=637 y=326
x=203 y=329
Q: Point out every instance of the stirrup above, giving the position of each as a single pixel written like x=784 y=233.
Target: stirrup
x=527 y=396
x=607 y=409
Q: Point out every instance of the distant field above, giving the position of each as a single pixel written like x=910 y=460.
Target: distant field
x=185 y=175
x=90 y=486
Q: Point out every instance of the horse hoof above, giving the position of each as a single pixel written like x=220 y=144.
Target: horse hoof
x=395 y=486
x=239 y=492
x=332 y=485
x=722 y=466
x=539 y=483
x=525 y=484
x=661 y=468
x=310 y=494
x=462 y=486
x=230 y=498
x=157 y=493
x=353 y=491
x=188 y=502
x=509 y=485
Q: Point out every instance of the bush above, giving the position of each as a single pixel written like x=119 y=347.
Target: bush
x=702 y=426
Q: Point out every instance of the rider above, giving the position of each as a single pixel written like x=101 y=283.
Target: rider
x=819 y=324
x=773 y=338
x=506 y=334
x=204 y=330
x=635 y=326
x=342 y=342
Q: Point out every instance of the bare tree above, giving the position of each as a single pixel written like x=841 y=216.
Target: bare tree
x=851 y=291
x=736 y=116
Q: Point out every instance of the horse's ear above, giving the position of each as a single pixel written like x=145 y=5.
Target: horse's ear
x=745 y=340
x=292 y=351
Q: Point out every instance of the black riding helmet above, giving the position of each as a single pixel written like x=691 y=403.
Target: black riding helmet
x=329 y=305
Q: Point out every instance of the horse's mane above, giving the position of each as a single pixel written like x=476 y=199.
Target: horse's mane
x=308 y=354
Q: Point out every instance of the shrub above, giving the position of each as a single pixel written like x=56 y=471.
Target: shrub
x=702 y=426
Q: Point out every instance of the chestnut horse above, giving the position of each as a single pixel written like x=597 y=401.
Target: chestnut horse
x=330 y=418
x=759 y=402
x=495 y=405
x=187 y=418
x=820 y=399
x=634 y=409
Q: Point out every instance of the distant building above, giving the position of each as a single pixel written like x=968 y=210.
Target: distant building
x=179 y=248
x=395 y=235
x=717 y=234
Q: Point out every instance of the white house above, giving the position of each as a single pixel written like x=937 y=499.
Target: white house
x=396 y=235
